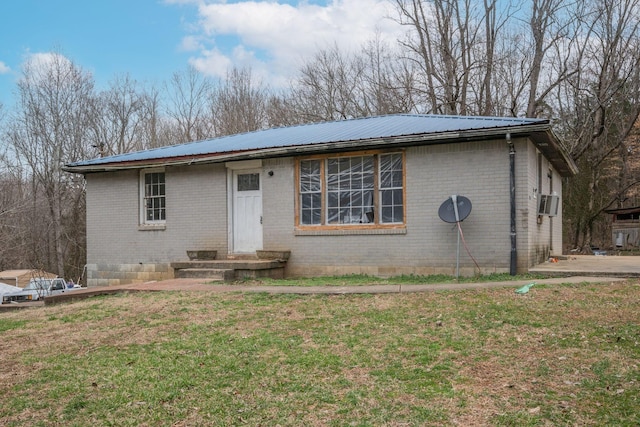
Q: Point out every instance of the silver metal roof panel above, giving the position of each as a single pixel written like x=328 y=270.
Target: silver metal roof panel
x=380 y=127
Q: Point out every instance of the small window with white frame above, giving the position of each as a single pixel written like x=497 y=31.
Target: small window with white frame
x=153 y=203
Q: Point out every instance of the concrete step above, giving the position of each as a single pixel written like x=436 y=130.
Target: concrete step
x=232 y=267
x=240 y=257
x=220 y=274
x=230 y=264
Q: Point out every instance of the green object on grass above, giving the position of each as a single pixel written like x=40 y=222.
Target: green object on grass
x=524 y=289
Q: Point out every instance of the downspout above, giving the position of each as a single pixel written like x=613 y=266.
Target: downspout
x=512 y=182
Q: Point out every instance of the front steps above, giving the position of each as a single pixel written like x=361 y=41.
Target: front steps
x=236 y=268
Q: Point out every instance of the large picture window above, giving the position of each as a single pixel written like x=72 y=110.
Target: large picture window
x=351 y=190
x=153 y=202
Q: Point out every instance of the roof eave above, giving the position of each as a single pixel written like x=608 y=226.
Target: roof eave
x=547 y=143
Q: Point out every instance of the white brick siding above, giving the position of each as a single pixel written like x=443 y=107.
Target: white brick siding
x=197 y=218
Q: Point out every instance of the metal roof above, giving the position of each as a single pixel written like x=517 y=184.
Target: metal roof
x=622 y=211
x=362 y=132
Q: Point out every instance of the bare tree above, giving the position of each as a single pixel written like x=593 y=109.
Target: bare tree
x=239 y=104
x=604 y=104
x=48 y=129
x=15 y=221
x=335 y=85
x=387 y=82
x=119 y=117
x=13 y=207
x=326 y=87
x=188 y=94
x=280 y=110
x=158 y=130
x=555 y=35
x=453 y=44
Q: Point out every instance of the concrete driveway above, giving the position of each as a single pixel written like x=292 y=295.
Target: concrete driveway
x=591 y=265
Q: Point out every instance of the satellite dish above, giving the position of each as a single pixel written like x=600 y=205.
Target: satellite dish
x=455 y=209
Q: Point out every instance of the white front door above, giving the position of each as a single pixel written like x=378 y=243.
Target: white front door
x=247 y=211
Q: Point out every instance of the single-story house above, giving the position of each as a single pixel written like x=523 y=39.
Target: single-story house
x=357 y=196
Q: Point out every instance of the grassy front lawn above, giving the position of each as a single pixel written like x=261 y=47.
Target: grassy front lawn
x=559 y=355
x=363 y=279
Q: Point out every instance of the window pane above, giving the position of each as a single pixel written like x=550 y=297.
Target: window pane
x=345 y=198
x=368 y=181
x=387 y=214
x=332 y=166
x=397 y=197
x=367 y=163
x=316 y=215
x=344 y=165
x=346 y=185
x=345 y=218
x=249 y=182
x=305 y=216
x=332 y=182
x=391 y=214
x=392 y=206
x=387 y=198
x=356 y=164
x=356 y=215
x=396 y=179
x=356 y=199
x=333 y=215
x=154 y=196
x=310 y=192
x=311 y=209
x=390 y=170
x=391 y=188
x=310 y=175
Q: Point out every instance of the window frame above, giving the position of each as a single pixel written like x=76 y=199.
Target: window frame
x=142 y=203
x=324 y=225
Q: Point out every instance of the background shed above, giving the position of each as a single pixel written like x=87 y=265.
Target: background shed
x=21 y=278
x=625 y=228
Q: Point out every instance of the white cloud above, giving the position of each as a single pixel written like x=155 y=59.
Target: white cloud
x=211 y=62
x=41 y=64
x=274 y=38
x=46 y=60
x=4 y=68
x=191 y=43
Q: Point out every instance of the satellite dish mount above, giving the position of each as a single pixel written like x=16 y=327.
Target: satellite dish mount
x=455 y=210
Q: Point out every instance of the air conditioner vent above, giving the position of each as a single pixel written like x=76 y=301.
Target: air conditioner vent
x=548 y=204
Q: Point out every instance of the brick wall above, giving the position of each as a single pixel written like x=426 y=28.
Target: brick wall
x=196 y=219
x=120 y=252
x=478 y=170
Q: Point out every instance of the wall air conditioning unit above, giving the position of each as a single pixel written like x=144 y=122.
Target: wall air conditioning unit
x=548 y=204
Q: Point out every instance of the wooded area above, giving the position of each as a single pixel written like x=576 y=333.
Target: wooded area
x=576 y=63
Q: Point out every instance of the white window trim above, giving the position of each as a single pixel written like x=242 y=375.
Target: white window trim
x=143 y=222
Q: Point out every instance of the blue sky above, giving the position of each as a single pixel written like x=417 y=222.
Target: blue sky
x=152 y=39
x=106 y=37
